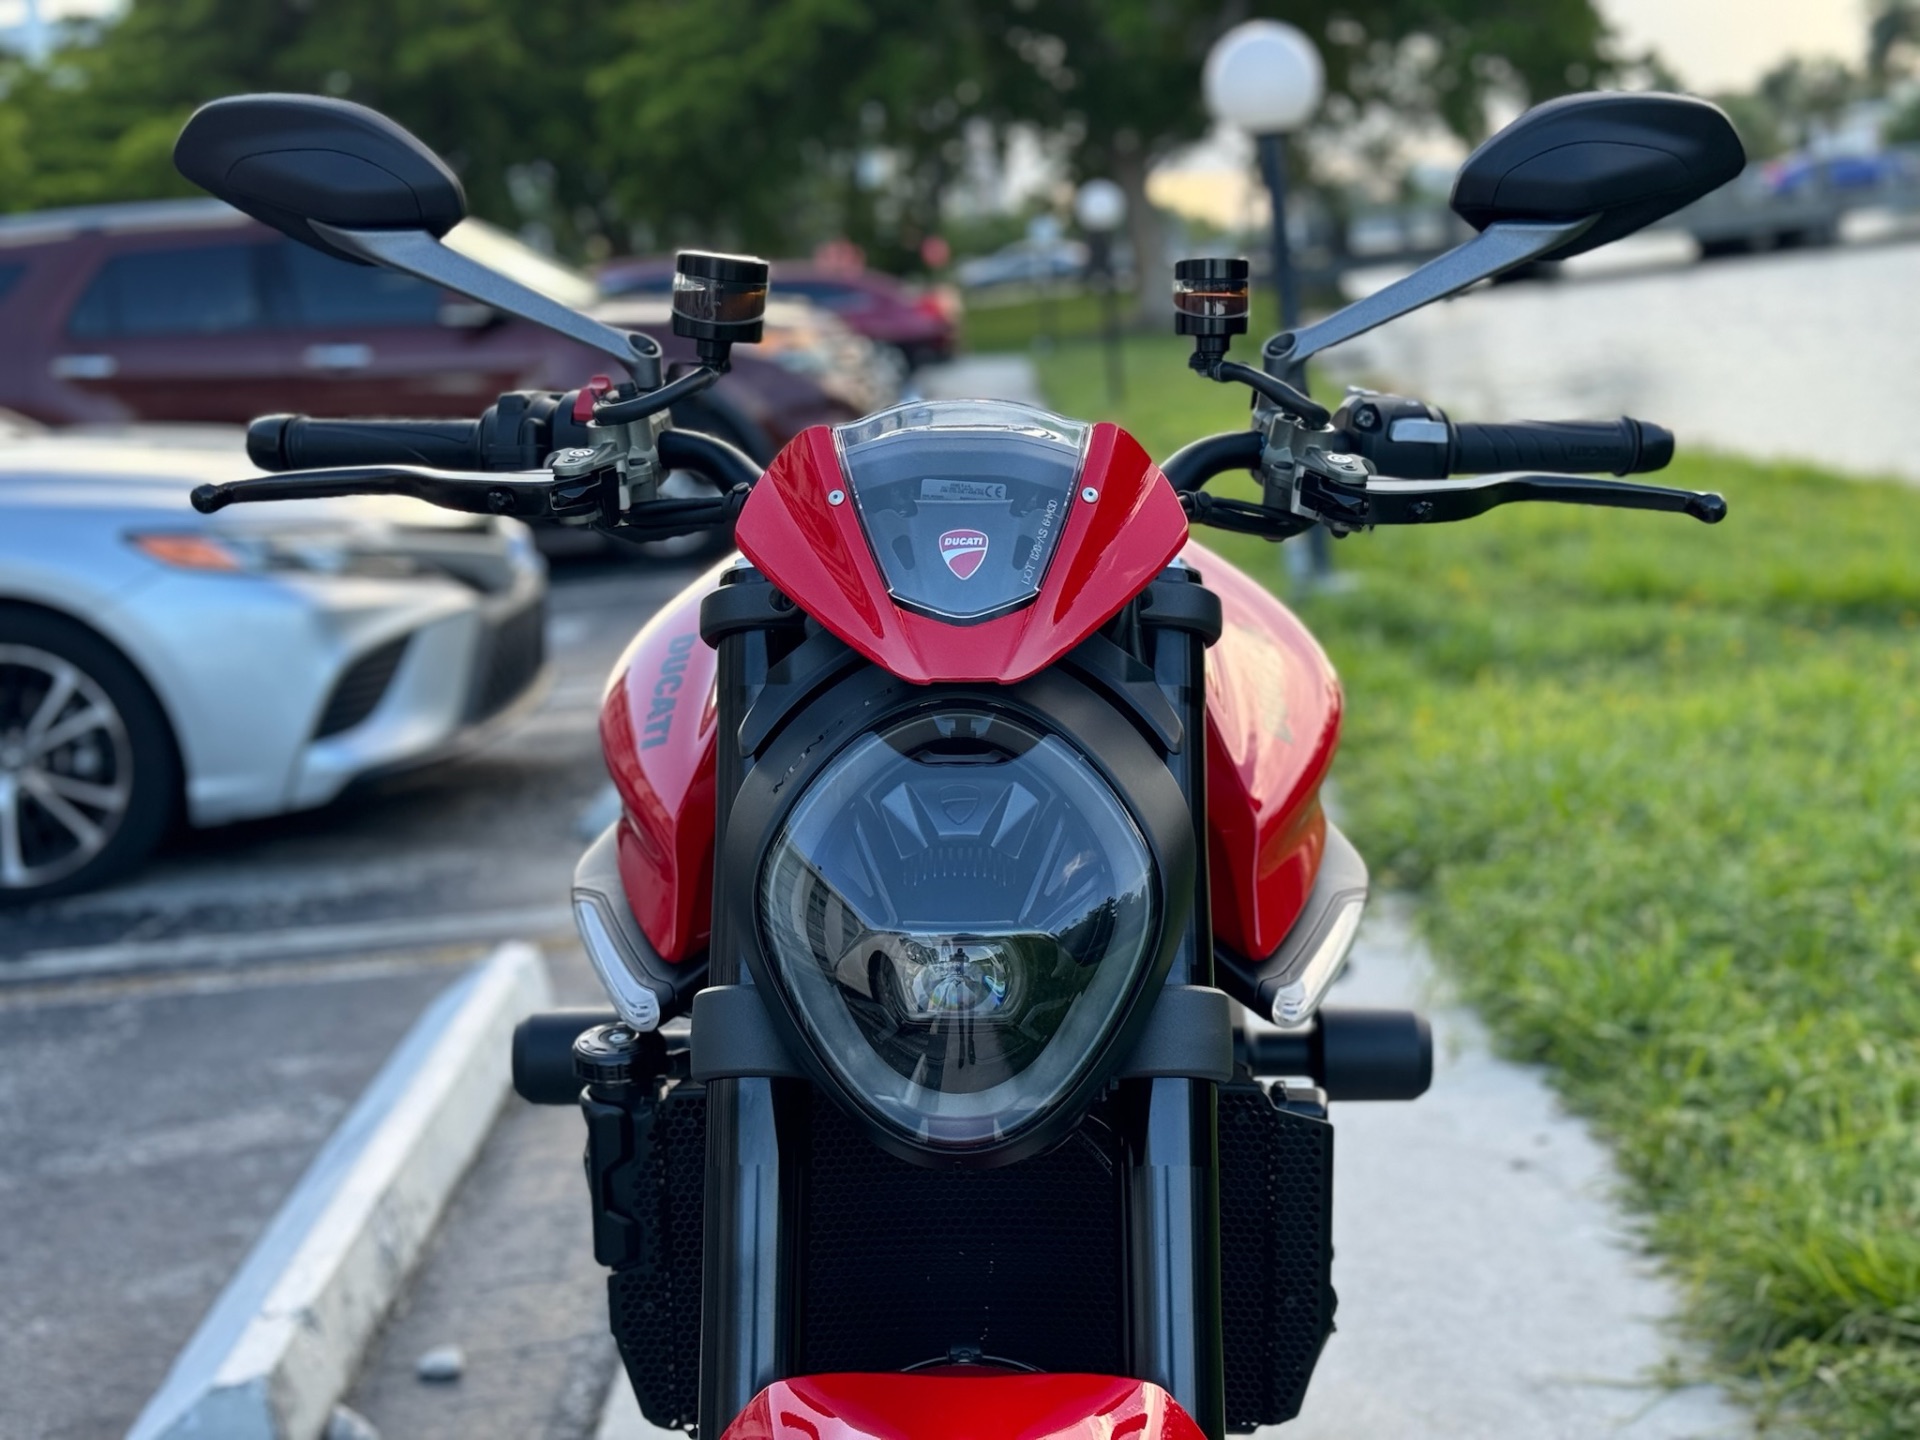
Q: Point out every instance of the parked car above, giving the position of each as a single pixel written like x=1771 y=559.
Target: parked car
x=158 y=665
x=1025 y=262
x=919 y=323
x=190 y=311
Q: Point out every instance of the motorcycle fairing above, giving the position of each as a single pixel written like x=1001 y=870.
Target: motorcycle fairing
x=962 y=1406
x=815 y=551
x=1273 y=722
x=657 y=730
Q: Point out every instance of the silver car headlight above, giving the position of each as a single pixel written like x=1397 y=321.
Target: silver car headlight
x=315 y=551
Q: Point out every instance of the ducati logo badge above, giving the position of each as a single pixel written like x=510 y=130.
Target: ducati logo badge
x=963 y=550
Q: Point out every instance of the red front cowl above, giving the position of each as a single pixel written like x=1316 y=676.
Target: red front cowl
x=985 y=1406
x=815 y=551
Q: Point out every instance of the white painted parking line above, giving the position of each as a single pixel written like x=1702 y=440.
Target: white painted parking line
x=280 y=1345
x=245 y=947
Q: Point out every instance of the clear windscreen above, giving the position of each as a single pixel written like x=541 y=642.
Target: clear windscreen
x=963 y=501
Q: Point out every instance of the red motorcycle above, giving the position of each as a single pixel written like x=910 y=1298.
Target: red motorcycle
x=963 y=814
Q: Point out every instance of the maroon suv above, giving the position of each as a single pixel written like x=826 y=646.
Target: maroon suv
x=188 y=310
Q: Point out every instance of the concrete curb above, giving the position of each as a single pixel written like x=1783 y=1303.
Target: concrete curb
x=280 y=1345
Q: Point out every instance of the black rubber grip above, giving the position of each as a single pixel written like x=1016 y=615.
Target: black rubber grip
x=1564 y=447
x=296 y=442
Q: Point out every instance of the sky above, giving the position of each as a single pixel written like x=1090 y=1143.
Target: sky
x=1728 y=44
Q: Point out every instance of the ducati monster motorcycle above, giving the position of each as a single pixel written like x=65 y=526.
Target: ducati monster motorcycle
x=967 y=814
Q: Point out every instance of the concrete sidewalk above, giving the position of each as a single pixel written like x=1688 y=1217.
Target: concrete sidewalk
x=1489 y=1287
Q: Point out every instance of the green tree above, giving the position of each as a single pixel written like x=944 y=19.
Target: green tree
x=760 y=122
x=491 y=84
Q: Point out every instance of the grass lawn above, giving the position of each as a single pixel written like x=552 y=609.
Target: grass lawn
x=1657 y=787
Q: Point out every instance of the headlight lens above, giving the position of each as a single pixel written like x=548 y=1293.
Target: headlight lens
x=960 y=911
x=312 y=552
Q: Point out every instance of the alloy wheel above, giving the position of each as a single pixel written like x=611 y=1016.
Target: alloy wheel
x=66 y=768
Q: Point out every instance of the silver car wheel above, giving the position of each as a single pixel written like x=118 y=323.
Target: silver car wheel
x=66 y=768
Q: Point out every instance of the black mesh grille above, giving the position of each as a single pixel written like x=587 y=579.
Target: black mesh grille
x=515 y=651
x=903 y=1264
x=359 y=690
x=654 y=1304
x=1276 y=1254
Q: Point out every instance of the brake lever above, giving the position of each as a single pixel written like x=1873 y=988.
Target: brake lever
x=528 y=495
x=1416 y=502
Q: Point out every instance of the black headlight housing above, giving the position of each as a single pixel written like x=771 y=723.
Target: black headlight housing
x=965 y=900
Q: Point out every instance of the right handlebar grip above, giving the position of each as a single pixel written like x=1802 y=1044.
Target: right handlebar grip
x=1569 y=447
x=297 y=442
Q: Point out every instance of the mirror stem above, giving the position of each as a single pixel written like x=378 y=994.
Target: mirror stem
x=417 y=253
x=1498 y=248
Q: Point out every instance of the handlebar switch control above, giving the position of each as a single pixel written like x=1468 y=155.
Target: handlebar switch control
x=1400 y=436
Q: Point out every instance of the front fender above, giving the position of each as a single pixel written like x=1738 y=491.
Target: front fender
x=962 y=1403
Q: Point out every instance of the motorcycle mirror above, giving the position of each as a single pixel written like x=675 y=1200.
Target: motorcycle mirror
x=1626 y=160
x=289 y=160
x=1565 y=177
x=351 y=183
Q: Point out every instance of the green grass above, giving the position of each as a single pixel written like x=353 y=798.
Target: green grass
x=1023 y=320
x=1657 y=787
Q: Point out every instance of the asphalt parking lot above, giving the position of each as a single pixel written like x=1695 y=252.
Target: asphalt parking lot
x=155 y=1108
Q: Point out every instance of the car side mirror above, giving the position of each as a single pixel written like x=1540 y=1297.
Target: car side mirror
x=354 y=184
x=1626 y=160
x=1565 y=177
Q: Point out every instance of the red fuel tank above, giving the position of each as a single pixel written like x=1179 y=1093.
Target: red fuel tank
x=1273 y=722
x=1273 y=713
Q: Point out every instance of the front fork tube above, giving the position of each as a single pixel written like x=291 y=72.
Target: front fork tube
x=1173 y=1191
x=747 y=1282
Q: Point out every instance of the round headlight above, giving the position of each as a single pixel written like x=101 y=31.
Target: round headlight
x=960 y=912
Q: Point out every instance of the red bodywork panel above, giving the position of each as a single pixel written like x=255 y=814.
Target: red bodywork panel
x=1273 y=713
x=817 y=553
x=962 y=1407
x=657 y=730
x=1273 y=721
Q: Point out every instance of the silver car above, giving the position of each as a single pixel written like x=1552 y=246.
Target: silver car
x=159 y=665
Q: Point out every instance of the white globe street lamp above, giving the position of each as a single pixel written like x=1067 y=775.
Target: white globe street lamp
x=1265 y=77
x=1100 y=206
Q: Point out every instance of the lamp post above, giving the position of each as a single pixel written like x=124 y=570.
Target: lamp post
x=1265 y=77
x=1100 y=206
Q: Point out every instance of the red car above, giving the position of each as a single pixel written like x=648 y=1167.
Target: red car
x=188 y=310
x=919 y=323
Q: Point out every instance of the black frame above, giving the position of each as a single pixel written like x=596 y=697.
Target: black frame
x=756 y=1127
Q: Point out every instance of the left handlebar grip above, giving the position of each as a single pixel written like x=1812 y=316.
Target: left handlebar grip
x=1568 y=447
x=298 y=442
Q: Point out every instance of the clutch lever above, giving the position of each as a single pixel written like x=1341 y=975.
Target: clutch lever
x=528 y=495
x=1416 y=502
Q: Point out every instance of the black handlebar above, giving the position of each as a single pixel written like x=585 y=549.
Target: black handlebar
x=724 y=464
x=1409 y=439
x=1567 y=447
x=298 y=442
x=517 y=432
x=1191 y=466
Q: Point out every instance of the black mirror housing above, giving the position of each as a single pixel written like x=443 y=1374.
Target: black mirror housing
x=290 y=159
x=1628 y=159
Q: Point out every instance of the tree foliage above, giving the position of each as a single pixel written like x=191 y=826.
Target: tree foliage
x=763 y=122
